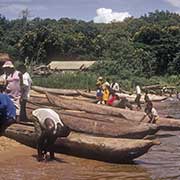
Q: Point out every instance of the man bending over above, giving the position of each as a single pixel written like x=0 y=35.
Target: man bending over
x=48 y=127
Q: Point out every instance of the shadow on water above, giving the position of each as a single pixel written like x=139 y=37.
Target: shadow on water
x=163 y=135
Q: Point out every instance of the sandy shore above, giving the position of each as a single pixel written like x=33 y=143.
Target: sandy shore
x=18 y=162
x=7 y=144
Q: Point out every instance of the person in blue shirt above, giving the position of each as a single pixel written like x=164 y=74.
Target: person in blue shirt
x=7 y=111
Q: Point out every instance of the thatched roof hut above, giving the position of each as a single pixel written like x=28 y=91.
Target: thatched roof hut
x=70 y=65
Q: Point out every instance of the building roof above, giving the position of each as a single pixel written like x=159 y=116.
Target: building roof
x=70 y=65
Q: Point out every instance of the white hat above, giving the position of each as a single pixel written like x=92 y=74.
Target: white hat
x=8 y=64
x=100 y=78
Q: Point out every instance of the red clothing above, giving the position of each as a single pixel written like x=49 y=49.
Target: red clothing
x=111 y=100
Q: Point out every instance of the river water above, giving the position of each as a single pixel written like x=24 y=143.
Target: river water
x=160 y=163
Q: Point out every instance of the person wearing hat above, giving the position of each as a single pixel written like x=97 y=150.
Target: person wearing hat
x=13 y=89
x=100 y=81
x=7 y=110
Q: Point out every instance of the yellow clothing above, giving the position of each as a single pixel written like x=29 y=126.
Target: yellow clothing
x=106 y=94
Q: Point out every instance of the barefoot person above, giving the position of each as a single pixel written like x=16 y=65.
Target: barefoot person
x=48 y=127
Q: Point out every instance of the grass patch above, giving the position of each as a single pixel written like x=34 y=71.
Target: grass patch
x=87 y=80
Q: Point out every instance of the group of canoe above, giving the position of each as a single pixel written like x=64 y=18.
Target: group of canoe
x=98 y=131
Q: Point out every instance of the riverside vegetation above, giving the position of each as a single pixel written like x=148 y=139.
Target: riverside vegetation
x=143 y=50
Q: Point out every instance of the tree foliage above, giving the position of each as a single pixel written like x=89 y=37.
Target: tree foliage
x=145 y=46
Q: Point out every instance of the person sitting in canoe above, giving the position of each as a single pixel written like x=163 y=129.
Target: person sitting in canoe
x=151 y=112
x=48 y=127
x=7 y=110
x=116 y=101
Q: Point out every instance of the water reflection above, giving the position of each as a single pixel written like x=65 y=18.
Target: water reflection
x=160 y=163
x=163 y=161
x=68 y=167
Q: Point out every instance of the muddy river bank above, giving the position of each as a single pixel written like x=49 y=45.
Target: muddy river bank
x=18 y=162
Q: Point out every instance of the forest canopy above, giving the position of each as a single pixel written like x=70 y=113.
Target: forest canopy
x=145 y=46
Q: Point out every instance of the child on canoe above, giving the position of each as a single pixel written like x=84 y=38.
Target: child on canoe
x=151 y=112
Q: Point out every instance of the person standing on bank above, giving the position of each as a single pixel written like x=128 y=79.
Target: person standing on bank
x=25 y=84
x=48 y=127
x=13 y=90
x=138 y=97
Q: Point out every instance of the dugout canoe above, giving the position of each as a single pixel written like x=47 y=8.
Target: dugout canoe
x=105 y=126
x=163 y=123
x=42 y=100
x=98 y=127
x=93 y=108
x=92 y=95
x=86 y=94
x=131 y=98
x=82 y=145
x=65 y=92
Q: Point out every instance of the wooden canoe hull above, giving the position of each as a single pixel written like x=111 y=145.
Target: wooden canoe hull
x=163 y=123
x=82 y=145
x=67 y=92
x=86 y=94
x=94 y=108
x=131 y=98
x=105 y=126
x=108 y=129
x=92 y=95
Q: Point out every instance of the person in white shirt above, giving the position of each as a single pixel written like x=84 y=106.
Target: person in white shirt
x=48 y=127
x=115 y=86
x=25 y=84
x=138 y=97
